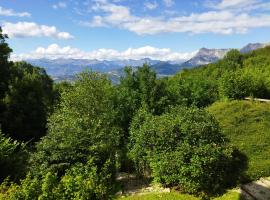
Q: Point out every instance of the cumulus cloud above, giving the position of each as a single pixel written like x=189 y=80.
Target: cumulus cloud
x=60 y=4
x=12 y=13
x=217 y=21
x=31 y=29
x=54 y=51
x=151 y=5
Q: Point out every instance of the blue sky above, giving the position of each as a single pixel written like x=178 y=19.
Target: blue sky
x=111 y=29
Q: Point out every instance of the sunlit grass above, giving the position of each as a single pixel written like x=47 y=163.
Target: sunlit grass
x=247 y=125
x=230 y=195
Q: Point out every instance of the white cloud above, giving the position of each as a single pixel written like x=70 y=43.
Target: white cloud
x=10 y=13
x=60 y=4
x=239 y=5
x=225 y=4
x=219 y=21
x=54 y=51
x=168 y=3
x=31 y=29
x=151 y=5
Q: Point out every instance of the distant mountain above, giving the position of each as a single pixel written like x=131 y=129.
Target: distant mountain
x=205 y=56
x=166 y=68
x=68 y=67
x=65 y=69
x=252 y=46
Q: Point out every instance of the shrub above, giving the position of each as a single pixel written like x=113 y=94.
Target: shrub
x=184 y=148
x=79 y=182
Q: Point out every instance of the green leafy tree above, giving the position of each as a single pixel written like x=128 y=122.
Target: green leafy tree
x=236 y=85
x=4 y=63
x=191 y=90
x=138 y=88
x=82 y=128
x=28 y=102
x=233 y=60
x=4 y=69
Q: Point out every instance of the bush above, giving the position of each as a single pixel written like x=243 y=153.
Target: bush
x=184 y=148
x=82 y=181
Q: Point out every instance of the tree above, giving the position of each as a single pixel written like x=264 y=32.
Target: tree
x=236 y=85
x=4 y=63
x=82 y=128
x=4 y=69
x=28 y=102
x=184 y=148
x=191 y=90
x=233 y=60
x=138 y=88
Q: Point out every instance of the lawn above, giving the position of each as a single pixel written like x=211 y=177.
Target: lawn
x=247 y=125
x=230 y=195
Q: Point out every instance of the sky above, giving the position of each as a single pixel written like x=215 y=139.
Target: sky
x=130 y=29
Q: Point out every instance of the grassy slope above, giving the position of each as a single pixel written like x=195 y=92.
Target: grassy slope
x=231 y=195
x=247 y=125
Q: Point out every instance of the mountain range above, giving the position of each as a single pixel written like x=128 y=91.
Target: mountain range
x=65 y=69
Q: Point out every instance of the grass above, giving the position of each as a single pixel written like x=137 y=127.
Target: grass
x=230 y=195
x=247 y=125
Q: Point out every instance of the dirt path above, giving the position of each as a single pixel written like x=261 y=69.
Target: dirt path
x=133 y=185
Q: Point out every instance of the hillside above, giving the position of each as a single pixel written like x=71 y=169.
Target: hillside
x=247 y=126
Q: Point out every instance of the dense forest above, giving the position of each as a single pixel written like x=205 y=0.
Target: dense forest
x=69 y=140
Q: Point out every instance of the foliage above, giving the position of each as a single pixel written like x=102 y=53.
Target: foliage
x=60 y=88
x=188 y=91
x=82 y=181
x=82 y=128
x=12 y=158
x=4 y=63
x=234 y=77
x=28 y=102
x=137 y=89
x=185 y=148
x=233 y=60
x=247 y=126
x=235 y=85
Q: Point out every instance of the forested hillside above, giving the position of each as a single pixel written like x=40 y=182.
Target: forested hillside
x=191 y=132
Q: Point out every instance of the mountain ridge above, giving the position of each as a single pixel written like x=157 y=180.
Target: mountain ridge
x=62 y=68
